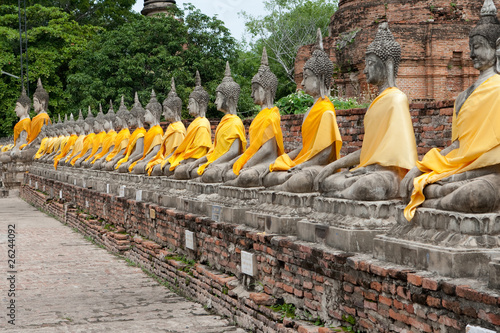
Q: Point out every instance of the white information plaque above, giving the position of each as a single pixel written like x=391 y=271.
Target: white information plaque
x=190 y=243
x=248 y=263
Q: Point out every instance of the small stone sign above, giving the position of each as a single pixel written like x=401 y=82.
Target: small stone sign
x=121 y=191
x=107 y=188
x=36 y=185
x=84 y=183
x=60 y=194
x=30 y=182
x=190 y=243
x=74 y=182
x=474 y=329
x=248 y=263
x=152 y=213
x=86 y=204
x=138 y=195
x=216 y=213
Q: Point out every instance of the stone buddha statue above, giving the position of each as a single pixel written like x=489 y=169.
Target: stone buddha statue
x=175 y=133
x=321 y=140
x=97 y=141
x=69 y=130
x=153 y=138
x=77 y=147
x=135 y=147
x=56 y=142
x=197 y=141
x=389 y=149
x=465 y=177
x=266 y=138
x=230 y=140
x=88 y=130
x=46 y=136
x=40 y=104
x=121 y=124
x=62 y=139
x=108 y=143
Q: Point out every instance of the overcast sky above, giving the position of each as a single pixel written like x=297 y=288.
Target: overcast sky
x=226 y=10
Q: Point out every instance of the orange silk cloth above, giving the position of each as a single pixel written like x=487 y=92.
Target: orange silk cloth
x=96 y=144
x=87 y=145
x=136 y=135
x=175 y=134
x=107 y=142
x=319 y=131
x=230 y=128
x=389 y=138
x=151 y=139
x=77 y=148
x=64 y=151
x=22 y=125
x=477 y=128
x=196 y=144
x=36 y=125
x=121 y=143
x=265 y=126
x=42 y=149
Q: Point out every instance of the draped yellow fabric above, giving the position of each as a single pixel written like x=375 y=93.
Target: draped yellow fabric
x=389 y=138
x=319 y=131
x=264 y=127
x=69 y=145
x=476 y=127
x=22 y=125
x=50 y=145
x=36 y=125
x=96 y=144
x=151 y=139
x=230 y=128
x=121 y=143
x=175 y=134
x=58 y=143
x=196 y=144
x=7 y=148
x=107 y=142
x=87 y=145
x=136 y=135
x=77 y=148
x=41 y=150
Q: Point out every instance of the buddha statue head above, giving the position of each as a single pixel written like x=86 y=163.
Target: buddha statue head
x=23 y=105
x=172 y=106
x=483 y=39
x=153 y=110
x=318 y=71
x=383 y=57
x=40 y=98
x=264 y=83
x=79 y=123
x=138 y=112
x=123 y=116
x=70 y=124
x=99 y=121
x=227 y=93
x=89 y=122
x=109 y=117
x=198 y=99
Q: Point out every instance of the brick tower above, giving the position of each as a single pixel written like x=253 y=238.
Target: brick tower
x=154 y=7
x=434 y=35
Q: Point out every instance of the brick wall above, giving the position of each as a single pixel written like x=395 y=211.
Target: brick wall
x=326 y=283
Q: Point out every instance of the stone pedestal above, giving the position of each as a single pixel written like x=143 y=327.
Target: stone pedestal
x=11 y=176
x=230 y=204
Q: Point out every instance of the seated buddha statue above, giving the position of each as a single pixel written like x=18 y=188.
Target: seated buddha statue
x=97 y=141
x=121 y=123
x=321 y=140
x=230 y=140
x=465 y=177
x=198 y=140
x=135 y=147
x=69 y=128
x=108 y=143
x=78 y=146
x=175 y=133
x=45 y=134
x=266 y=138
x=58 y=139
x=389 y=149
x=40 y=104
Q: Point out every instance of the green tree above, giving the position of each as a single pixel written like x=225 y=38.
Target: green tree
x=54 y=39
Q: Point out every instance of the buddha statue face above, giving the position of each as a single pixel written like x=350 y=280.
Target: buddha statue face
x=258 y=94
x=107 y=125
x=78 y=129
x=21 y=111
x=168 y=113
x=37 y=105
x=311 y=83
x=375 y=70
x=193 y=107
x=148 y=117
x=97 y=127
x=221 y=102
x=482 y=54
x=118 y=124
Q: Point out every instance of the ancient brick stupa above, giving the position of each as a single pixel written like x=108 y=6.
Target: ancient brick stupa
x=154 y=7
x=434 y=35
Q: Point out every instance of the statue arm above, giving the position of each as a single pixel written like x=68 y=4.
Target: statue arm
x=234 y=151
x=197 y=163
x=294 y=153
x=266 y=154
x=453 y=146
x=138 y=151
x=344 y=162
x=152 y=153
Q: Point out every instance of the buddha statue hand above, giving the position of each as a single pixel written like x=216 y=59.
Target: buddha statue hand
x=325 y=173
x=406 y=186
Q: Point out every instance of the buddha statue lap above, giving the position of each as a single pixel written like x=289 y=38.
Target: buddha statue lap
x=465 y=177
x=389 y=148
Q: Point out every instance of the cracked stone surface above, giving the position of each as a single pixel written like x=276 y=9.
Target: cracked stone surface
x=64 y=283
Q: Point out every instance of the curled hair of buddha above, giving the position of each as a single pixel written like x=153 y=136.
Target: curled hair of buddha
x=229 y=87
x=137 y=110
x=265 y=77
x=488 y=25
x=385 y=47
x=90 y=118
x=199 y=94
x=319 y=63
x=173 y=102
x=41 y=94
x=154 y=106
x=24 y=100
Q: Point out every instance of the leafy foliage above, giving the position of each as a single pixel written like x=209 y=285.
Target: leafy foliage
x=299 y=102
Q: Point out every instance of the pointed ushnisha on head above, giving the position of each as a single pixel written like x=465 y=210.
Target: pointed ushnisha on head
x=110 y=115
x=385 y=46
x=488 y=25
x=24 y=100
x=90 y=118
x=199 y=94
x=59 y=119
x=80 y=121
x=173 y=102
x=123 y=112
x=265 y=77
x=229 y=87
x=65 y=118
x=137 y=110
x=40 y=93
x=122 y=105
x=100 y=116
x=154 y=106
x=319 y=63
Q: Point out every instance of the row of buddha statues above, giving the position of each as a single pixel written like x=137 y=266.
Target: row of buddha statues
x=463 y=177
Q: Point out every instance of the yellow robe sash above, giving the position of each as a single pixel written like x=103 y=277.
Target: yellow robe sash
x=22 y=125
x=152 y=139
x=77 y=148
x=477 y=129
x=230 y=128
x=319 y=131
x=389 y=138
x=121 y=143
x=50 y=145
x=171 y=140
x=87 y=145
x=57 y=144
x=96 y=144
x=67 y=147
x=136 y=135
x=107 y=142
x=265 y=126
x=36 y=125
x=196 y=144
x=41 y=150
